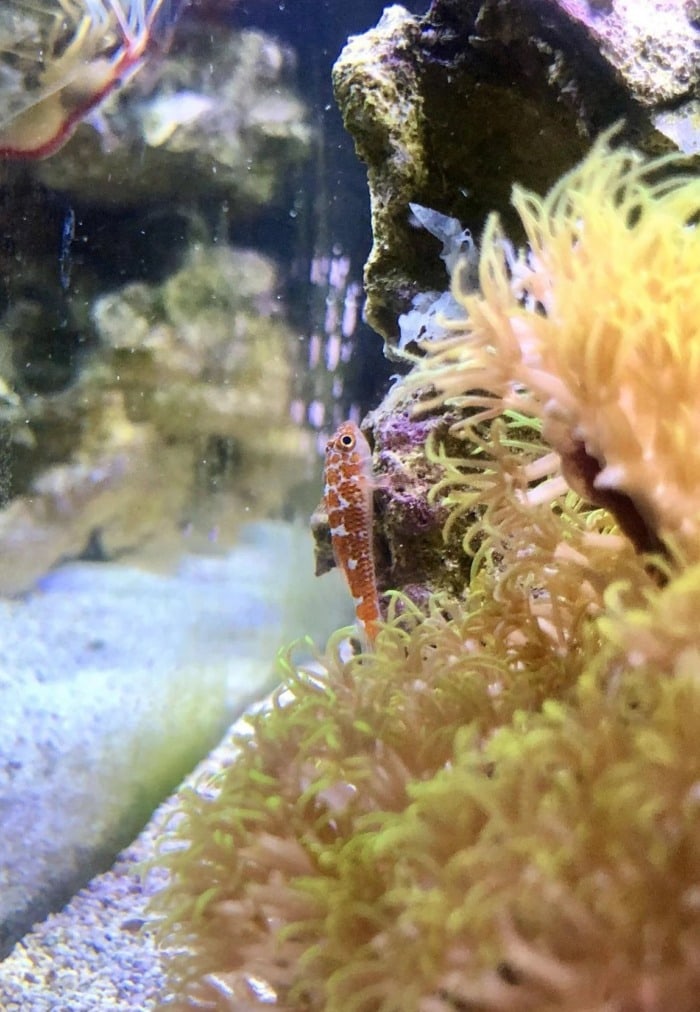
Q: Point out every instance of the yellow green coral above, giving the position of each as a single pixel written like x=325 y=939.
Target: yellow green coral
x=498 y=809
x=595 y=331
x=420 y=830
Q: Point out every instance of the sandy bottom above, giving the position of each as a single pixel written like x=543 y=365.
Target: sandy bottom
x=96 y=954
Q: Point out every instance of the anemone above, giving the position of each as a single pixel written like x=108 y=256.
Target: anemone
x=594 y=331
x=75 y=53
x=498 y=809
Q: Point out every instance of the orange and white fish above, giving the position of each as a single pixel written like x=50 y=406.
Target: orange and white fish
x=348 y=499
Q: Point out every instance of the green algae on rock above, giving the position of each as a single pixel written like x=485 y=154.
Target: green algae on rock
x=491 y=91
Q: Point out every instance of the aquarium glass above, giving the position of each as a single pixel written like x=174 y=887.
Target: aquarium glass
x=183 y=224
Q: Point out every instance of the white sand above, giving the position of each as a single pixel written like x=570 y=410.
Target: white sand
x=95 y=955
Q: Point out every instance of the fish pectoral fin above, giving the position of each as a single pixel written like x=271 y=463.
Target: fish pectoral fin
x=382 y=481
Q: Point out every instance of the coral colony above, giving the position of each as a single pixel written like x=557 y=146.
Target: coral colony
x=499 y=807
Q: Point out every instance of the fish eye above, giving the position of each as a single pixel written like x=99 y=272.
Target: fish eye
x=347 y=440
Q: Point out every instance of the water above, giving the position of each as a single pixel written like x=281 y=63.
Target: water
x=183 y=227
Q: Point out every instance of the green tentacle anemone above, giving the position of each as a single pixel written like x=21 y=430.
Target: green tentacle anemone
x=499 y=808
